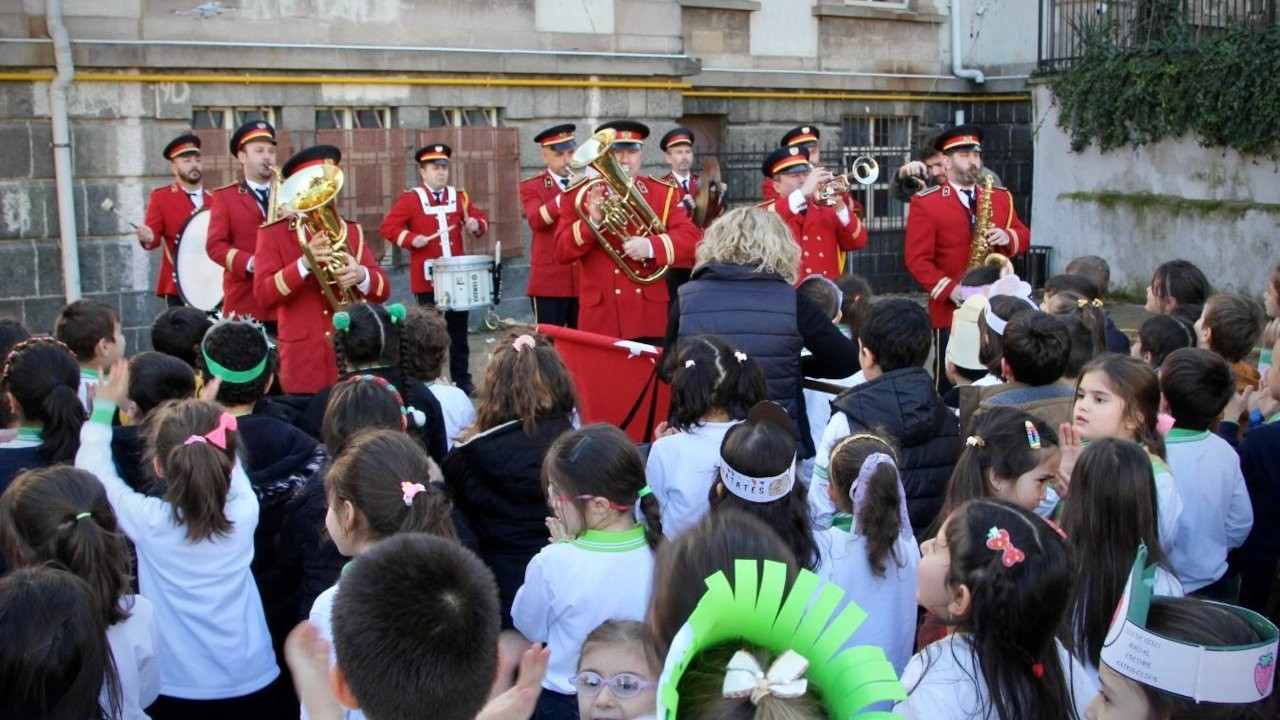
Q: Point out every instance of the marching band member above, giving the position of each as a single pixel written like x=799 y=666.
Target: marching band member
x=288 y=288
x=940 y=231
x=823 y=233
x=805 y=138
x=170 y=206
x=237 y=211
x=553 y=288
x=429 y=220
x=677 y=145
x=612 y=303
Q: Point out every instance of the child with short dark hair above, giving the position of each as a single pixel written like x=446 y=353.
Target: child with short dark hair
x=154 y=378
x=1179 y=288
x=1035 y=348
x=894 y=343
x=1196 y=385
x=415 y=630
x=91 y=328
x=40 y=380
x=594 y=480
x=825 y=294
x=178 y=331
x=1160 y=335
x=194 y=546
x=61 y=515
x=1098 y=271
x=1231 y=325
x=426 y=340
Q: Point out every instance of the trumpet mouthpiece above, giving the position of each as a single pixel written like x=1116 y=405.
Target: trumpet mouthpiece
x=107 y=204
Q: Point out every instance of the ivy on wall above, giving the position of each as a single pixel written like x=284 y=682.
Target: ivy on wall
x=1222 y=86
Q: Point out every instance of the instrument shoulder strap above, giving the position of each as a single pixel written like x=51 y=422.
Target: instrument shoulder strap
x=662 y=181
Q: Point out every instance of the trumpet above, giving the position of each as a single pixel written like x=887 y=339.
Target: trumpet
x=865 y=172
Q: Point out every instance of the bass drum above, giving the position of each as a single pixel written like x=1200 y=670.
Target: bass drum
x=199 y=279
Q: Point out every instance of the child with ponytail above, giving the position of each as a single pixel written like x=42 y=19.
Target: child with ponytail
x=1012 y=456
x=600 y=564
x=379 y=486
x=194 y=546
x=1001 y=577
x=712 y=388
x=60 y=515
x=40 y=379
x=869 y=550
x=368 y=340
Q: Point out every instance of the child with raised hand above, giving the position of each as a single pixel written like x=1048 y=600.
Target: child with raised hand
x=1011 y=456
x=40 y=379
x=153 y=378
x=712 y=388
x=1195 y=386
x=47 y=673
x=1001 y=577
x=1160 y=335
x=379 y=486
x=368 y=340
x=616 y=679
x=426 y=338
x=1118 y=396
x=601 y=565
x=1111 y=511
x=1196 y=660
x=61 y=515
x=91 y=328
x=494 y=473
x=1179 y=288
x=194 y=546
x=757 y=475
x=869 y=550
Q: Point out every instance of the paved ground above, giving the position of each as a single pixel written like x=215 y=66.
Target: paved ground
x=1126 y=316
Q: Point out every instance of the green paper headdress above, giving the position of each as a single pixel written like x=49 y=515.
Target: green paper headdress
x=754 y=610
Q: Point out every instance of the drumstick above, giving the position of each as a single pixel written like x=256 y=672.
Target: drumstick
x=110 y=205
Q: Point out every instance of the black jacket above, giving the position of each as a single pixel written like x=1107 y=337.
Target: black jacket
x=414 y=392
x=903 y=405
x=495 y=482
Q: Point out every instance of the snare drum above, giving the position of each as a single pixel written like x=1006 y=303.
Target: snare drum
x=462 y=282
x=199 y=279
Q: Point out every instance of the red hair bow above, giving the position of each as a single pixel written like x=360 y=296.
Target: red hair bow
x=998 y=539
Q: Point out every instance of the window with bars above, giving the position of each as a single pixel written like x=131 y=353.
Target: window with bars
x=460 y=116
x=890 y=4
x=352 y=118
x=887 y=140
x=230 y=118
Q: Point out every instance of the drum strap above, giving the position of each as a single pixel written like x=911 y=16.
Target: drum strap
x=441 y=214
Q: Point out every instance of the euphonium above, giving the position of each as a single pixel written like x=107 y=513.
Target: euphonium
x=626 y=213
x=309 y=196
x=978 y=247
x=865 y=172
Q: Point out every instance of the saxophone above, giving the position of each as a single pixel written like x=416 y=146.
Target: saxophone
x=978 y=248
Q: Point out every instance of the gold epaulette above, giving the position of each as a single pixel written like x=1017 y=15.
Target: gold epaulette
x=228 y=185
x=927 y=191
x=660 y=181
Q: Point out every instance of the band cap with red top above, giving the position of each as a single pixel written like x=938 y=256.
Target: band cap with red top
x=630 y=134
x=785 y=160
x=960 y=137
x=308 y=157
x=252 y=131
x=557 y=137
x=182 y=145
x=433 y=153
x=800 y=136
x=678 y=136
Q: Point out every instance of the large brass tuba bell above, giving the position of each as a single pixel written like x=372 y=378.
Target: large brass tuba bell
x=626 y=213
x=309 y=197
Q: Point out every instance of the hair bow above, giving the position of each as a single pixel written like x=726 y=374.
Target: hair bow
x=342 y=321
x=217 y=436
x=524 y=342
x=741 y=356
x=785 y=678
x=397 y=312
x=975 y=441
x=998 y=539
x=410 y=490
x=689 y=363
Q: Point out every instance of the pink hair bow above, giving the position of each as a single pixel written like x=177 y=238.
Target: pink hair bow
x=410 y=490
x=523 y=342
x=217 y=436
x=998 y=539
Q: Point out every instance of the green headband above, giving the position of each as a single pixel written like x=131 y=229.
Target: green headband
x=234 y=376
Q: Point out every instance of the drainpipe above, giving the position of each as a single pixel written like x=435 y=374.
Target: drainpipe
x=62 y=148
x=957 y=66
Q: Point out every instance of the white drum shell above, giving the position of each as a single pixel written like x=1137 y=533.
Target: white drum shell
x=462 y=282
x=199 y=279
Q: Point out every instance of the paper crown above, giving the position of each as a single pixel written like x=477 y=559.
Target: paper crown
x=755 y=611
x=1238 y=674
x=965 y=344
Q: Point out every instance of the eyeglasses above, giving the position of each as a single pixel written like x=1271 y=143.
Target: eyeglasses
x=623 y=685
x=562 y=499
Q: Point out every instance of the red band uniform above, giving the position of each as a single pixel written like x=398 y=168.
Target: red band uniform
x=553 y=287
x=168 y=209
x=285 y=286
x=613 y=304
x=238 y=210
x=819 y=230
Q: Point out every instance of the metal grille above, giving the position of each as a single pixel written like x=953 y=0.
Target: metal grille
x=377 y=166
x=1064 y=24
x=887 y=140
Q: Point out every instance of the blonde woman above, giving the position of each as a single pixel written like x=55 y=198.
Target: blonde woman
x=743 y=289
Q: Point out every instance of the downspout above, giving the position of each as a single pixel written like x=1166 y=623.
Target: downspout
x=62 y=148
x=957 y=66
